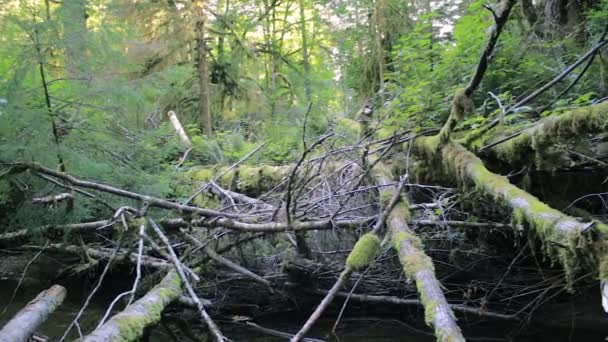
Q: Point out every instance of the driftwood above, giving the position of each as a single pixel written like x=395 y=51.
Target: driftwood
x=129 y=325
x=23 y=325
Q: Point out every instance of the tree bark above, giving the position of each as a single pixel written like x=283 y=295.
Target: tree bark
x=563 y=237
x=23 y=325
x=129 y=325
x=305 y=57
x=417 y=265
x=205 y=119
x=179 y=129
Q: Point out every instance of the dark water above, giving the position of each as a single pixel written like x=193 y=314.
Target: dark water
x=358 y=325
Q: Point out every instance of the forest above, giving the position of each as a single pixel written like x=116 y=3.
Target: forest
x=303 y=170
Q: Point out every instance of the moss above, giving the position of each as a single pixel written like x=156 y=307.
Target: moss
x=402 y=210
x=131 y=328
x=415 y=261
x=461 y=105
x=131 y=325
x=204 y=200
x=364 y=252
x=201 y=174
x=348 y=127
x=399 y=237
x=603 y=267
x=561 y=236
x=535 y=143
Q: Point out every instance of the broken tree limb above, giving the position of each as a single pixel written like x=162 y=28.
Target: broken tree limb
x=462 y=103
x=416 y=264
x=129 y=325
x=179 y=129
x=151 y=200
x=23 y=325
x=563 y=237
x=177 y=223
x=206 y=319
x=52 y=199
x=365 y=298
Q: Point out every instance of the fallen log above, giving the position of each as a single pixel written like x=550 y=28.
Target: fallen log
x=563 y=237
x=129 y=325
x=530 y=145
x=416 y=264
x=151 y=200
x=23 y=325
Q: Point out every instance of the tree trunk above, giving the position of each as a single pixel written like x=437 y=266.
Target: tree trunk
x=528 y=11
x=74 y=18
x=25 y=322
x=205 y=119
x=129 y=325
x=305 y=58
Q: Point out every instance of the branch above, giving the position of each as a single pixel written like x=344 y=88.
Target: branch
x=23 y=325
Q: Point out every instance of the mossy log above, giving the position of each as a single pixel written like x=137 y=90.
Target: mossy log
x=563 y=237
x=416 y=264
x=129 y=324
x=244 y=178
x=534 y=144
x=23 y=325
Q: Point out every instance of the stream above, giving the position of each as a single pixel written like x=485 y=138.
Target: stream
x=355 y=326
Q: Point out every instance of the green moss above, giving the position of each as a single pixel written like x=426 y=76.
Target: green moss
x=535 y=143
x=348 y=127
x=603 y=266
x=461 y=105
x=132 y=324
x=201 y=174
x=364 y=252
x=430 y=305
x=399 y=237
x=204 y=200
x=415 y=261
x=401 y=210
x=560 y=234
x=131 y=328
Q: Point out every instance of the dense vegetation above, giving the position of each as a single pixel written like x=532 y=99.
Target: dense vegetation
x=319 y=134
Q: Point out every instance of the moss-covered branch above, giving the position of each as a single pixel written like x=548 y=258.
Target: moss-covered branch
x=417 y=265
x=129 y=324
x=563 y=237
x=533 y=143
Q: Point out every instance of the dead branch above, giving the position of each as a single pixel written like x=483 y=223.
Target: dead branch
x=23 y=325
x=53 y=199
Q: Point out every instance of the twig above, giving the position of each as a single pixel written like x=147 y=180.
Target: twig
x=27 y=266
x=140 y=250
x=90 y=296
x=178 y=267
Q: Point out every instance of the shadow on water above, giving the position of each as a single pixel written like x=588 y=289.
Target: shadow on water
x=356 y=326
